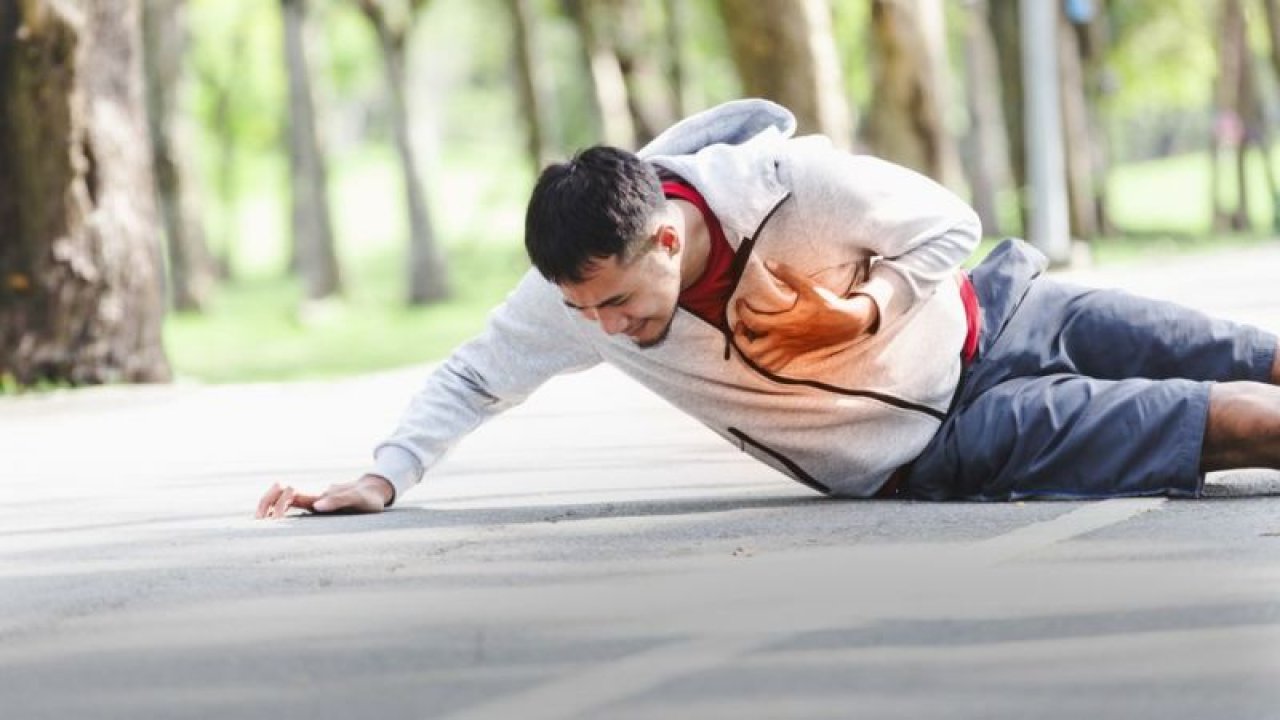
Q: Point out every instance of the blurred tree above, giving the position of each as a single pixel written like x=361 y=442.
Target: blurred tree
x=1077 y=133
x=314 y=253
x=1003 y=15
x=1159 y=51
x=1161 y=61
x=1082 y=51
x=785 y=51
x=712 y=75
x=531 y=80
x=80 y=265
x=1240 y=120
x=609 y=83
x=906 y=122
x=165 y=39
x=988 y=158
x=1228 y=131
x=674 y=21
x=222 y=74
x=627 y=48
x=428 y=272
x=1272 y=8
x=1093 y=34
x=642 y=45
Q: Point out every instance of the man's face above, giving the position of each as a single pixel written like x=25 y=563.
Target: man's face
x=637 y=299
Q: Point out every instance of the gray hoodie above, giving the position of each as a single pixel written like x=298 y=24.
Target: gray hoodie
x=841 y=420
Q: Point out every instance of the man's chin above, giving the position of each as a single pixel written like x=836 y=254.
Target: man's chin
x=655 y=341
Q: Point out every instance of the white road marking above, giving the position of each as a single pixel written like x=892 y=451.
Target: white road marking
x=1081 y=521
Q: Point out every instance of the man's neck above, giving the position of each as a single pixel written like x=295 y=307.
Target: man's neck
x=697 y=243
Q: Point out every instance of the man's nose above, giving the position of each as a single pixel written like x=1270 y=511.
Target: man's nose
x=611 y=321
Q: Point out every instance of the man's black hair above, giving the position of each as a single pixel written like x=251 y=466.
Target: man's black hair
x=595 y=206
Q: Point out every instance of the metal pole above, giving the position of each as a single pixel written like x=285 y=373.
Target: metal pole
x=1049 y=228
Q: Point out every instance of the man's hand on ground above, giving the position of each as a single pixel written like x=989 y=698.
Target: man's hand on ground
x=369 y=494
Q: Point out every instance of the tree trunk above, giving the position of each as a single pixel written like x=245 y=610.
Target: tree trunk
x=191 y=270
x=1096 y=44
x=1256 y=123
x=1272 y=8
x=1230 y=126
x=648 y=97
x=428 y=272
x=221 y=88
x=673 y=23
x=1076 y=136
x=531 y=82
x=224 y=114
x=1241 y=221
x=1003 y=16
x=1218 y=220
x=608 y=84
x=906 y=122
x=80 y=267
x=312 y=226
x=785 y=51
x=988 y=158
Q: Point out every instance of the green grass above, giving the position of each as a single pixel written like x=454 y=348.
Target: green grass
x=258 y=328
x=1171 y=195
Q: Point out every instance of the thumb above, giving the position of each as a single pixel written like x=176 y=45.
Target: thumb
x=347 y=499
x=327 y=503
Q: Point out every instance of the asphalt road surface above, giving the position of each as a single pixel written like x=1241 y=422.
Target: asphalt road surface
x=594 y=554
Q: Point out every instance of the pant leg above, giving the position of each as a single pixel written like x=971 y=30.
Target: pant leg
x=1068 y=436
x=1028 y=421
x=1111 y=334
x=1035 y=325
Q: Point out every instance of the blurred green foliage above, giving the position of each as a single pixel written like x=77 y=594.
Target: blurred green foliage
x=1162 y=55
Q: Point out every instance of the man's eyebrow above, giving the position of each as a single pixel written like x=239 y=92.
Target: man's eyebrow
x=615 y=300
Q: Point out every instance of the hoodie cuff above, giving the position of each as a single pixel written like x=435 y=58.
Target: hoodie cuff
x=890 y=292
x=399 y=466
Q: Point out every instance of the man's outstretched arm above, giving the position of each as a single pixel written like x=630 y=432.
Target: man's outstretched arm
x=529 y=339
x=369 y=494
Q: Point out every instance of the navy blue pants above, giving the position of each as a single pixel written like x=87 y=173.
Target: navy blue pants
x=1081 y=393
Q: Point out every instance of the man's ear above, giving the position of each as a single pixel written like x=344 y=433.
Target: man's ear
x=668 y=239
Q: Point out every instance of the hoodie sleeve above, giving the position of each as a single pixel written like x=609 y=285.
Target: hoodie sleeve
x=528 y=340
x=921 y=231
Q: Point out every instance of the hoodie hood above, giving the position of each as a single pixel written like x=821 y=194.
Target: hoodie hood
x=732 y=123
x=737 y=144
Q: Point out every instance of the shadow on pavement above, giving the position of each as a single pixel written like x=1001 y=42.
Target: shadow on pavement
x=429 y=516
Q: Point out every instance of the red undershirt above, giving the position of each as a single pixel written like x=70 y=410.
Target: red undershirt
x=708 y=296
